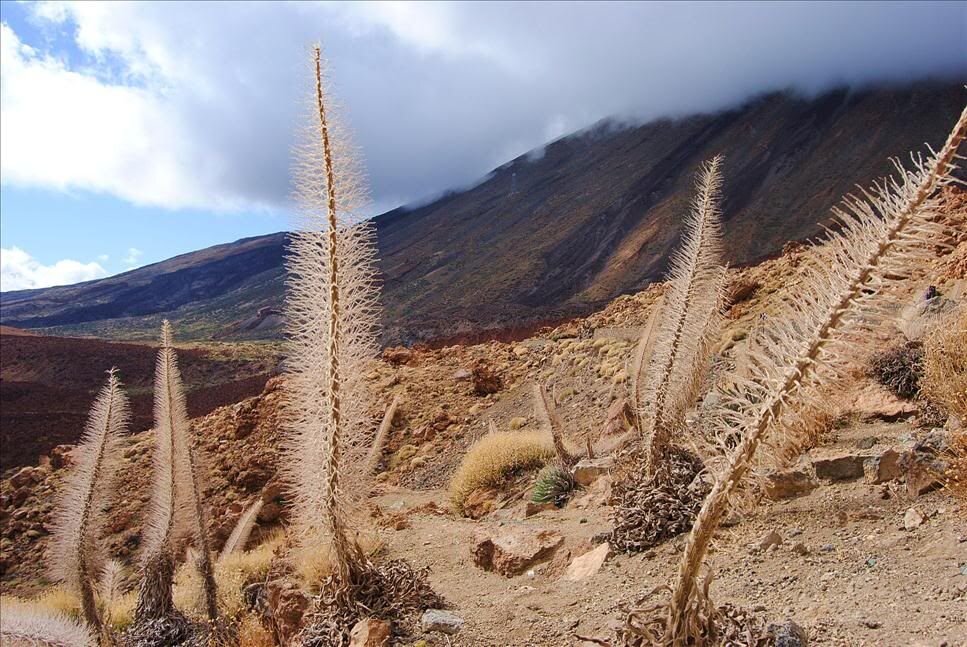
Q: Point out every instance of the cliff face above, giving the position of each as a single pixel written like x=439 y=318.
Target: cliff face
x=548 y=235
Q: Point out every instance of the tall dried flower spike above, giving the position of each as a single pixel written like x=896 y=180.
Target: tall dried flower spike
x=76 y=552
x=331 y=311
x=547 y=413
x=689 y=316
x=176 y=508
x=821 y=330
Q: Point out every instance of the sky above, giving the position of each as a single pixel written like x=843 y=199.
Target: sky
x=132 y=132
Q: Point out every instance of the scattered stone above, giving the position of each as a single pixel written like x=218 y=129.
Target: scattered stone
x=872 y=624
x=769 y=540
x=60 y=456
x=788 y=634
x=441 y=621
x=800 y=549
x=587 y=564
x=866 y=443
x=839 y=468
x=370 y=632
x=789 y=484
x=485 y=379
x=512 y=550
x=589 y=470
x=826 y=548
x=535 y=508
x=923 y=466
x=398 y=355
x=912 y=519
x=461 y=375
x=619 y=419
x=882 y=468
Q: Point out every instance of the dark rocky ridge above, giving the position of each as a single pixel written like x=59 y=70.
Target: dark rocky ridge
x=546 y=235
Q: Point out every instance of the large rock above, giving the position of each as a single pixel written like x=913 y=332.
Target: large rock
x=923 y=467
x=882 y=468
x=485 y=379
x=589 y=470
x=788 y=634
x=285 y=605
x=512 y=550
x=370 y=632
x=441 y=621
x=587 y=564
x=789 y=484
x=874 y=402
x=839 y=468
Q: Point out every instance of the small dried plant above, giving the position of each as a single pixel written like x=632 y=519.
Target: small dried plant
x=27 y=623
x=821 y=331
x=76 y=553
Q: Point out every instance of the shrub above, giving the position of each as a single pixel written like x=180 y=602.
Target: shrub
x=494 y=458
x=945 y=382
x=554 y=485
x=899 y=368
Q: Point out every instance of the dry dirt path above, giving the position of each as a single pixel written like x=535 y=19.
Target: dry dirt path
x=863 y=580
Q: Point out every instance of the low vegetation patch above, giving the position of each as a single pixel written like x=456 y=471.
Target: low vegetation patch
x=899 y=368
x=554 y=485
x=496 y=457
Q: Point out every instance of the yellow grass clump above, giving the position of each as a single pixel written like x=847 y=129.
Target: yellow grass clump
x=945 y=382
x=496 y=456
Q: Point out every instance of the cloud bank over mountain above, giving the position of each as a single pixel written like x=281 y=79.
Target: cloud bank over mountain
x=196 y=107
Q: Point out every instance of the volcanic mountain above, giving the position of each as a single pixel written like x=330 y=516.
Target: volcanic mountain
x=549 y=235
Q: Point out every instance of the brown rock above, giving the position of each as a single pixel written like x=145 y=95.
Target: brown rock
x=882 y=468
x=461 y=375
x=370 y=632
x=535 y=508
x=587 y=564
x=789 y=484
x=874 y=402
x=60 y=456
x=512 y=550
x=485 y=379
x=620 y=417
x=269 y=513
x=769 y=540
x=479 y=503
x=285 y=606
x=589 y=470
x=20 y=495
x=912 y=519
x=839 y=468
x=399 y=355
x=26 y=476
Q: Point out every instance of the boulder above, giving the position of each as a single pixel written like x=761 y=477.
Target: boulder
x=788 y=634
x=479 y=503
x=874 y=402
x=285 y=605
x=912 y=519
x=589 y=470
x=60 y=456
x=511 y=550
x=923 y=467
x=587 y=564
x=370 y=632
x=882 y=468
x=440 y=621
x=485 y=379
x=789 y=484
x=839 y=468
x=27 y=476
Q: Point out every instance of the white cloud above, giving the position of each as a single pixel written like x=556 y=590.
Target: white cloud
x=133 y=257
x=195 y=104
x=20 y=271
x=104 y=258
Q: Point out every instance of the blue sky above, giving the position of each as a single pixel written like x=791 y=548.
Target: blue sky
x=132 y=132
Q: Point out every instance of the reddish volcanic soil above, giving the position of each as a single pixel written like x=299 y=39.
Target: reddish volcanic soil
x=47 y=385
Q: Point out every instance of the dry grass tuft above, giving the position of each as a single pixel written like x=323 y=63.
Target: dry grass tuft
x=945 y=383
x=313 y=562
x=495 y=458
x=251 y=633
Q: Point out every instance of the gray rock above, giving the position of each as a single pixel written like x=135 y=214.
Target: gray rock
x=840 y=468
x=441 y=621
x=788 y=634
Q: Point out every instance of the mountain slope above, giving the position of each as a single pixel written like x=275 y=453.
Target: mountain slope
x=548 y=235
